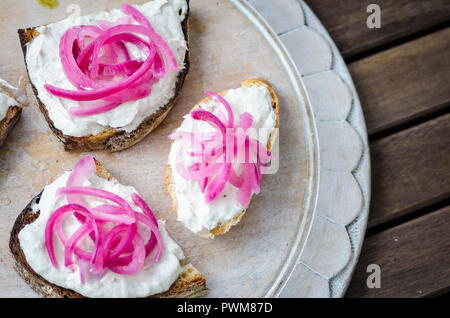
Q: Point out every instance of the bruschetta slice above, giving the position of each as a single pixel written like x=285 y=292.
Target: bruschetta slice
x=218 y=156
x=106 y=80
x=87 y=235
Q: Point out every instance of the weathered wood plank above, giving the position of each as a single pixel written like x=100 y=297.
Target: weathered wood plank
x=414 y=259
x=405 y=82
x=410 y=170
x=346 y=21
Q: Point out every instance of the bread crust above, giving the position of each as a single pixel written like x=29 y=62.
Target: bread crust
x=8 y=123
x=111 y=139
x=223 y=228
x=190 y=282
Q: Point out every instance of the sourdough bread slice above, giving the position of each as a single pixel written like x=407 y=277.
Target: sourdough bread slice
x=111 y=139
x=190 y=283
x=8 y=123
x=10 y=108
x=222 y=228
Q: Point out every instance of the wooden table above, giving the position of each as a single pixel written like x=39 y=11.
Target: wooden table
x=402 y=74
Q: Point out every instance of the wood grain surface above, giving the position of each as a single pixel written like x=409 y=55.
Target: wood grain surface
x=414 y=259
x=410 y=170
x=404 y=83
x=402 y=74
x=346 y=21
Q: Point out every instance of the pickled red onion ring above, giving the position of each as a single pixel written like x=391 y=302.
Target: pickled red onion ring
x=50 y=225
x=93 y=109
x=162 y=45
x=96 y=61
x=230 y=122
x=228 y=149
x=112 y=228
x=70 y=245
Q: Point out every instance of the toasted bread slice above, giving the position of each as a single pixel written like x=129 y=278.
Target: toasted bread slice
x=190 y=282
x=10 y=120
x=111 y=139
x=225 y=227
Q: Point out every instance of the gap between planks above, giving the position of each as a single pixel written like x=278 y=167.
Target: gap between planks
x=405 y=85
x=410 y=170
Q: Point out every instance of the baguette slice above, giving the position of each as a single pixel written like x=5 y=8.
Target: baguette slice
x=189 y=284
x=225 y=227
x=111 y=139
x=8 y=123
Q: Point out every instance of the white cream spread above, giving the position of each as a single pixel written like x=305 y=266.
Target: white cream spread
x=18 y=93
x=5 y=103
x=44 y=67
x=192 y=211
x=148 y=281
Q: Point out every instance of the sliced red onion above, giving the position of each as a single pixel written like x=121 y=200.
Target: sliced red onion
x=112 y=228
x=93 y=109
x=137 y=259
x=228 y=146
x=73 y=240
x=96 y=61
x=230 y=122
x=50 y=225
